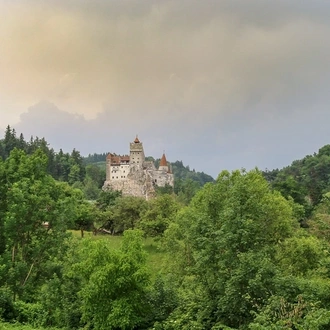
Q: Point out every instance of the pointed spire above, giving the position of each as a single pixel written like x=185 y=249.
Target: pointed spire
x=163 y=161
x=136 y=139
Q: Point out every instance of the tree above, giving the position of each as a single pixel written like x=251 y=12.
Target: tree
x=114 y=283
x=107 y=198
x=90 y=189
x=97 y=175
x=2 y=206
x=319 y=222
x=37 y=211
x=127 y=212
x=225 y=242
x=160 y=213
x=77 y=160
x=74 y=174
x=85 y=217
x=186 y=190
x=10 y=141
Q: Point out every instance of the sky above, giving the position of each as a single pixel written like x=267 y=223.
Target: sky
x=218 y=84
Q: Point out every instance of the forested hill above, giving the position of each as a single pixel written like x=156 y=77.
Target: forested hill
x=306 y=180
x=88 y=173
x=180 y=171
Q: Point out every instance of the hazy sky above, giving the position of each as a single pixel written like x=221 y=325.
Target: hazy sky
x=220 y=84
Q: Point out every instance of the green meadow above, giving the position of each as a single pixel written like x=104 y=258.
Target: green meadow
x=156 y=258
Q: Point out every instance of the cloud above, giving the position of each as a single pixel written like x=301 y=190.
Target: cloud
x=205 y=76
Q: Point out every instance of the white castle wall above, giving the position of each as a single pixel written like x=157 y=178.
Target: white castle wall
x=118 y=172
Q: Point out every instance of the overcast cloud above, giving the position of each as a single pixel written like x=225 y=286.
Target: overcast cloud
x=220 y=84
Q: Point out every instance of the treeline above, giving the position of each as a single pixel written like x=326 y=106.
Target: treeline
x=95 y=158
x=306 y=180
x=66 y=167
x=62 y=166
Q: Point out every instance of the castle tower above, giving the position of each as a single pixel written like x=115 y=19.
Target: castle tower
x=108 y=167
x=163 y=164
x=136 y=152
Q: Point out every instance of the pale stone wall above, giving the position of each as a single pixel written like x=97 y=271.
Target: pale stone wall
x=162 y=178
x=138 y=183
x=136 y=153
x=107 y=170
x=118 y=172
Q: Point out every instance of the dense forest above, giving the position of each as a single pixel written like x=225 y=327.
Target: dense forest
x=306 y=180
x=249 y=250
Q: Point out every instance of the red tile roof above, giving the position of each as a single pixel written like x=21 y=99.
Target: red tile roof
x=136 y=140
x=163 y=161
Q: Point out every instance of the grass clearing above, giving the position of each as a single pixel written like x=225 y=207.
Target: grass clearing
x=155 y=256
x=18 y=326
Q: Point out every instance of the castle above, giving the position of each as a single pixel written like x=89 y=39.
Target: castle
x=135 y=176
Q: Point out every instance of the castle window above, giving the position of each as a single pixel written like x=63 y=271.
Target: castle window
x=113 y=177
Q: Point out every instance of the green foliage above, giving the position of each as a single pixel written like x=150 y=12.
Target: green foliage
x=162 y=298
x=305 y=180
x=184 y=173
x=280 y=314
x=159 y=214
x=86 y=213
x=226 y=239
x=59 y=295
x=186 y=189
x=31 y=313
x=15 y=326
x=114 y=283
x=166 y=190
x=36 y=212
x=300 y=255
x=93 y=181
x=61 y=166
x=319 y=223
x=7 y=309
x=127 y=213
x=95 y=174
x=95 y=158
x=107 y=198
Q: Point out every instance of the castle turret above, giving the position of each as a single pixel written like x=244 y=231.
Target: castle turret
x=163 y=164
x=108 y=167
x=136 y=152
